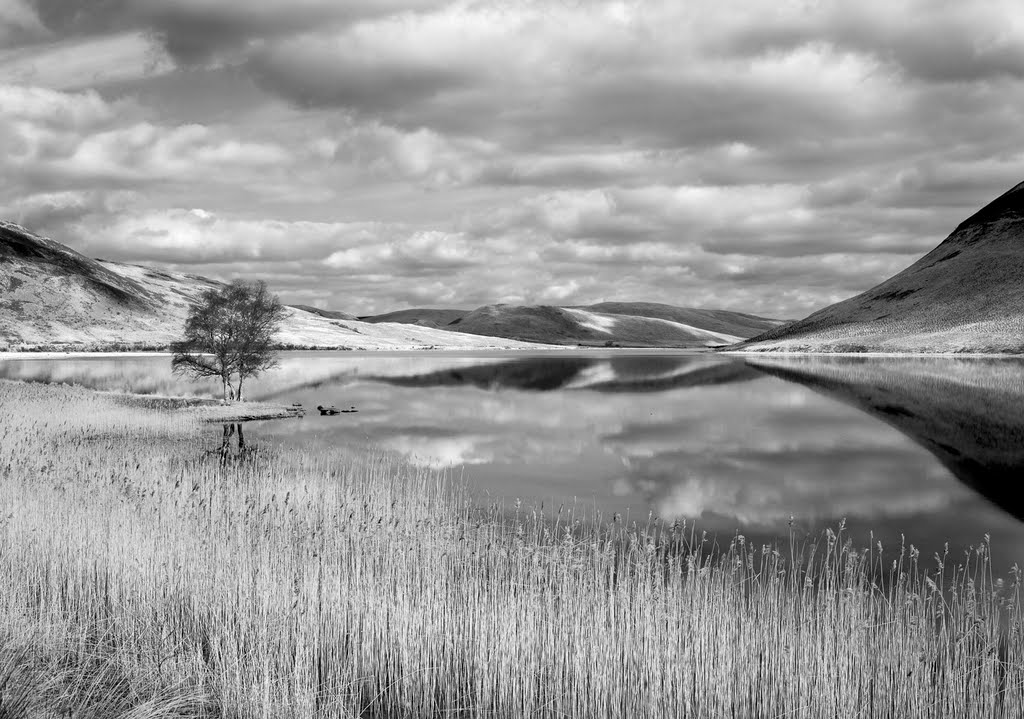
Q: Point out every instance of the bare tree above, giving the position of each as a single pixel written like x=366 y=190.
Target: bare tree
x=229 y=334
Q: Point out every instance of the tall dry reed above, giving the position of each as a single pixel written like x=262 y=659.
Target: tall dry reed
x=290 y=584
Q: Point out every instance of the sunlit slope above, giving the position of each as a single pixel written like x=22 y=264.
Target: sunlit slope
x=966 y=295
x=584 y=326
x=723 y=321
x=51 y=295
x=627 y=324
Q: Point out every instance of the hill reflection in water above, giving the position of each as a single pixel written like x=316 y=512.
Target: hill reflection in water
x=969 y=413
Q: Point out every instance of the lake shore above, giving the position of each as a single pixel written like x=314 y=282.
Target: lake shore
x=809 y=353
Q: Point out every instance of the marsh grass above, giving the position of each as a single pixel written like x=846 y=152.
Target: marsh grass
x=139 y=570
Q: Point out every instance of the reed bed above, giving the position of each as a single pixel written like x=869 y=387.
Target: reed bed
x=147 y=576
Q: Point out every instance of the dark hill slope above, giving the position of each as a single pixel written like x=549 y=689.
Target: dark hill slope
x=426 y=317
x=40 y=256
x=966 y=295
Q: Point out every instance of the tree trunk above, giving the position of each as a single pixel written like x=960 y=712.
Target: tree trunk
x=238 y=395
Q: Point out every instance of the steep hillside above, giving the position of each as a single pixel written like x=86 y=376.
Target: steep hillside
x=424 y=317
x=575 y=326
x=53 y=296
x=966 y=295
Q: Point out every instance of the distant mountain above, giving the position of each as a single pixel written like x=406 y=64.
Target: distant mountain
x=422 y=317
x=724 y=321
x=966 y=295
x=52 y=296
x=584 y=326
x=608 y=324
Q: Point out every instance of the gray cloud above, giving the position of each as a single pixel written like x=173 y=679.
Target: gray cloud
x=362 y=83
x=198 y=31
x=935 y=42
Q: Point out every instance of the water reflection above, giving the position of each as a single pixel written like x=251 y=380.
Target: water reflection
x=968 y=413
x=230 y=451
x=614 y=374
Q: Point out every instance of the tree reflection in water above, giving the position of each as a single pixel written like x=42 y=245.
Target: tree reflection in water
x=239 y=450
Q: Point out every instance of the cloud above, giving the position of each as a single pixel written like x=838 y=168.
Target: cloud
x=81 y=63
x=935 y=42
x=56 y=109
x=198 y=31
x=59 y=139
x=19 y=24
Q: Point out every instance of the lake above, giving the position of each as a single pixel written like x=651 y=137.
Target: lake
x=929 y=448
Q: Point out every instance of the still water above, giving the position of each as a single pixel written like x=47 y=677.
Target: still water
x=929 y=448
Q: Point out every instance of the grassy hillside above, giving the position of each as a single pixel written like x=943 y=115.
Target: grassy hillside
x=572 y=326
x=329 y=314
x=724 y=321
x=615 y=324
x=53 y=296
x=966 y=295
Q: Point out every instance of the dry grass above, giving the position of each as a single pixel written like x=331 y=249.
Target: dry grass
x=145 y=577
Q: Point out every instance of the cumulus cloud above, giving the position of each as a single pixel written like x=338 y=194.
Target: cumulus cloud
x=60 y=140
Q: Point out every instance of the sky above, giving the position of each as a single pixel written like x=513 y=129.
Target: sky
x=765 y=156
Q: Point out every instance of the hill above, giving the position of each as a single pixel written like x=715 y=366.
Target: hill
x=579 y=326
x=423 y=317
x=614 y=324
x=329 y=314
x=966 y=295
x=54 y=297
x=724 y=321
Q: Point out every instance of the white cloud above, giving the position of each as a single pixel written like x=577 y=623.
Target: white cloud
x=78 y=63
x=41 y=105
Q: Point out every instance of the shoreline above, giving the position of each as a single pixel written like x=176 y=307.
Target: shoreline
x=28 y=355
x=109 y=354
x=807 y=353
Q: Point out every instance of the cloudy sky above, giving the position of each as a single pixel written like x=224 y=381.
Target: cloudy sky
x=769 y=156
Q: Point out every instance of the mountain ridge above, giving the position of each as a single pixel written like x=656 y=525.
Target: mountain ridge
x=626 y=324
x=965 y=295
